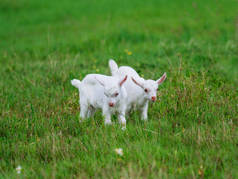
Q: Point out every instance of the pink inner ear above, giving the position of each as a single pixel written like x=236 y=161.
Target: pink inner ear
x=121 y=83
x=136 y=82
x=161 y=80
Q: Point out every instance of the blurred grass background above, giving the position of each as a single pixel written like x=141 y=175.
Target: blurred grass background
x=192 y=130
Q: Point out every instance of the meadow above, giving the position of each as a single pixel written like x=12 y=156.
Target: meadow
x=192 y=131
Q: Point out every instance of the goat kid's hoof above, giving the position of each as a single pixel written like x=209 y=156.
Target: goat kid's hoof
x=81 y=120
x=144 y=119
x=123 y=128
x=108 y=122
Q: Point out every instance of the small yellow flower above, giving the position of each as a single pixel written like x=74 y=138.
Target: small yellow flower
x=200 y=171
x=128 y=52
x=97 y=70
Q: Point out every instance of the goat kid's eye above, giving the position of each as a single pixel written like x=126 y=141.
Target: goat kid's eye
x=116 y=94
x=146 y=90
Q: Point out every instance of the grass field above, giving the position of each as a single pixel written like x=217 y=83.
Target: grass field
x=192 y=131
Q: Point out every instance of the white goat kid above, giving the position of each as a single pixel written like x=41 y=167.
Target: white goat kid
x=139 y=90
x=102 y=92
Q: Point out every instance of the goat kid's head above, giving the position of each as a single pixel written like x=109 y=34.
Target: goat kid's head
x=150 y=87
x=113 y=90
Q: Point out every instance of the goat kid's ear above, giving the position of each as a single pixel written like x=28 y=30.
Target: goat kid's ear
x=100 y=82
x=123 y=81
x=162 y=78
x=137 y=83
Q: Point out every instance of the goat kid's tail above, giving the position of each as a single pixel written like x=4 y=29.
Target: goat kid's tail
x=76 y=83
x=113 y=67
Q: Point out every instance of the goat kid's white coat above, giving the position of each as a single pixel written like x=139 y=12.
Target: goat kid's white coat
x=102 y=92
x=139 y=90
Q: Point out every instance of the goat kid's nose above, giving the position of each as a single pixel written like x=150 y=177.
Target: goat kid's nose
x=153 y=98
x=111 y=104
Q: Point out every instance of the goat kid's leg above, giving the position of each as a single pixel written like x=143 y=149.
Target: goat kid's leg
x=144 y=111
x=83 y=112
x=122 y=120
x=107 y=116
x=90 y=112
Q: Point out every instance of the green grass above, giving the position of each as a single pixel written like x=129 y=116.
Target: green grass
x=191 y=132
